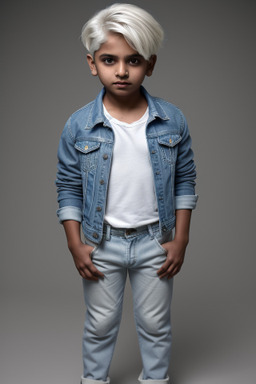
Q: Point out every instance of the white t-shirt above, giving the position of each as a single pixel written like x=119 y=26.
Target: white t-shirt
x=131 y=200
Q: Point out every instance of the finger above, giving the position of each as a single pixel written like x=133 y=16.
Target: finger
x=164 y=267
x=84 y=271
x=165 y=274
x=93 y=270
x=86 y=274
x=97 y=273
x=174 y=272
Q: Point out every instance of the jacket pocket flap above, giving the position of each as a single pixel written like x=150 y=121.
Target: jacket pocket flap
x=87 y=146
x=169 y=140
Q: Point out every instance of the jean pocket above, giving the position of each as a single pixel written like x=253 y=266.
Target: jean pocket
x=163 y=238
x=95 y=247
x=158 y=243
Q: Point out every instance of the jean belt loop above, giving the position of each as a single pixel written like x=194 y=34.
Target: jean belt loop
x=108 y=230
x=150 y=231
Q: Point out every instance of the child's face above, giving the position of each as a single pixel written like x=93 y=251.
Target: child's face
x=120 y=68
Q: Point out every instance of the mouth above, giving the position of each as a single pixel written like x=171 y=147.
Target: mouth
x=121 y=84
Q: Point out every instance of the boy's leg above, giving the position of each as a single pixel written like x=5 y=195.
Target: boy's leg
x=103 y=301
x=152 y=302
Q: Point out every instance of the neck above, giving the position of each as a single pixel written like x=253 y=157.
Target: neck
x=125 y=103
x=127 y=109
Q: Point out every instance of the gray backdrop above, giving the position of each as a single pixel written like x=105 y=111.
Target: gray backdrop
x=207 y=68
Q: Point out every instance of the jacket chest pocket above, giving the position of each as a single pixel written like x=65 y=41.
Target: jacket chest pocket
x=168 y=147
x=89 y=154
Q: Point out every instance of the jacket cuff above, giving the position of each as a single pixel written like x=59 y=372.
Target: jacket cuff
x=186 y=201
x=69 y=213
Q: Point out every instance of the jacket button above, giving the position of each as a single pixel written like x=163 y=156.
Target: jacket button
x=157 y=173
x=99 y=209
x=153 y=151
x=164 y=229
x=95 y=235
x=105 y=156
x=102 y=182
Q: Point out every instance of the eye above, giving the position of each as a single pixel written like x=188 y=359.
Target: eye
x=108 y=60
x=134 y=61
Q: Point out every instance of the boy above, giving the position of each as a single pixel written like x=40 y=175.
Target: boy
x=126 y=172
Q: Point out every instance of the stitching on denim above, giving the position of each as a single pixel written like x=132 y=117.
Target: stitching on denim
x=182 y=124
x=88 y=123
x=69 y=130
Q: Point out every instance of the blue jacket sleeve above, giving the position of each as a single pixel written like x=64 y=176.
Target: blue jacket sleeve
x=69 y=181
x=185 y=173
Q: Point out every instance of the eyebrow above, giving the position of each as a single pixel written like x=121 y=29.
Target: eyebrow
x=135 y=55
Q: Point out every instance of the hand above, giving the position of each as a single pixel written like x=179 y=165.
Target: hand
x=174 y=259
x=82 y=258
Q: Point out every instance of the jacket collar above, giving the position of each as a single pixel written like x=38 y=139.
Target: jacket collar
x=96 y=115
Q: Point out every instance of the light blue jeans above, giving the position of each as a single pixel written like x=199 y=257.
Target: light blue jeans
x=140 y=254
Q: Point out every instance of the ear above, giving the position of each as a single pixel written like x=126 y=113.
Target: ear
x=91 y=63
x=151 y=65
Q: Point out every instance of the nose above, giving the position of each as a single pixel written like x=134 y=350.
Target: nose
x=121 y=70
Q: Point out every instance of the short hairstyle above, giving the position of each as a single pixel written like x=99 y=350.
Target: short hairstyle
x=141 y=31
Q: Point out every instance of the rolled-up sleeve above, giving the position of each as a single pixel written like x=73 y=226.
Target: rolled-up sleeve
x=69 y=213
x=69 y=181
x=185 y=172
x=186 y=201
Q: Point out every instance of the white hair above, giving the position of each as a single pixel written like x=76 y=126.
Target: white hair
x=141 y=31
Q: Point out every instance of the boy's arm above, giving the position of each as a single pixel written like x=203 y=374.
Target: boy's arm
x=69 y=182
x=81 y=252
x=185 y=201
x=177 y=247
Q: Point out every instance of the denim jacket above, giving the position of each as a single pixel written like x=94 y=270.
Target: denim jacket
x=84 y=163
